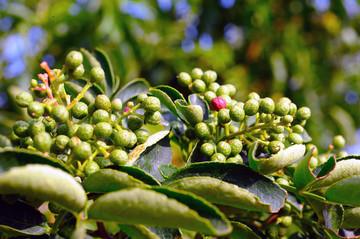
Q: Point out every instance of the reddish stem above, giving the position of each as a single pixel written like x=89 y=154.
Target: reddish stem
x=46 y=67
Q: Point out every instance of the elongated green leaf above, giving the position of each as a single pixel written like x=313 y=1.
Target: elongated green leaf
x=148 y=207
x=109 y=180
x=46 y=183
x=167 y=95
x=345 y=192
x=240 y=175
x=344 y=169
x=192 y=114
x=12 y=157
x=345 y=234
x=241 y=231
x=195 y=99
x=74 y=89
x=334 y=216
x=138 y=232
x=132 y=89
x=138 y=174
x=80 y=230
x=165 y=233
x=167 y=169
x=278 y=161
x=105 y=62
x=21 y=219
x=304 y=176
x=351 y=218
x=220 y=192
x=88 y=56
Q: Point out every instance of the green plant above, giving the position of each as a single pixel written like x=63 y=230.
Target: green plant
x=241 y=170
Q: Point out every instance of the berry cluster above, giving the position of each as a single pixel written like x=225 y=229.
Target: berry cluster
x=87 y=136
x=232 y=124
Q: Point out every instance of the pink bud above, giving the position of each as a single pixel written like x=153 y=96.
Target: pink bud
x=127 y=109
x=218 y=103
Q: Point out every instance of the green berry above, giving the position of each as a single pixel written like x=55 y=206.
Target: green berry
x=41 y=93
x=20 y=128
x=103 y=130
x=277 y=129
x=288 y=119
x=135 y=122
x=282 y=181
x=338 y=142
x=85 y=132
x=282 y=108
x=125 y=138
x=218 y=157
x=237 y=113
x=15 y=140
x=233 y=129
x=142 y=135
x=35 y=126
x=90 y=168
x=224 y=116
x=266 y=118
x=153 y=118
x=97 y=75
x=286 y=221
x=202 y=131
x=196 y=73
x=74 y=141
x=100 y=116
x=82 y=151
x=184 y=79
x=198 y=86
x=232 y=89
x=271 y=231
x=60 y=113
x=80 y=110
x=102 y=102
x=223 y=90
x=297 y=129
x=119 y=157
x=214 y=87
x=295 y=138
x=35 y=109
x=207 y=149
x=33 y=83
x=116 y=105
x=26 y=142
x=342 y=154
x=209 y=76
x=151 y=104
x=77 y=73
x=228 y=101
x=236 y=146
x=277 y=137
x=236 y=159
x=130 y=104
x=49 y=123
x=42 y=141
x=303 y=113
x=251 y=107
x=223 y=148
x=275 y=146
x=267 y=105
x=141 y=97
x=73 y=59
x=103 y=162
x=284 y=100
x=292 y=109
x=208 y=96
x=314 y=162
x=61 y=142
x=62 y=129
x=212 y=123
x=72 y=131
x=254 y=96
x=310 y=147
x=23 y=99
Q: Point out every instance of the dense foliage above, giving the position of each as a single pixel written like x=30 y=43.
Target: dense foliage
x=97 y=159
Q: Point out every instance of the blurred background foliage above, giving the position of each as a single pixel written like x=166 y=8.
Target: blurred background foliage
x=307 y=50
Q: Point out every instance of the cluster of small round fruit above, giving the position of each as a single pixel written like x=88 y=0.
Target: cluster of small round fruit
x=232 y=124
x=86 y=136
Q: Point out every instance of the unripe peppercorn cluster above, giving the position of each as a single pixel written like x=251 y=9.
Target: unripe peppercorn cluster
x=275 y=123
x=88 y=136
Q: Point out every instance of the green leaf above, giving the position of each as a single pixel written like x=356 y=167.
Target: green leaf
x=351 y=218
x=303 y=175
x=92 y=60
x=240 y=175
x=153 y=208
x=345 y=192
x=196 y=156
x=74 y=89
x=334 y=216
x=138 y=174
x=195 y=99
x=167 y=95
x=46 y=183
x=153 y=156
x=12 y=157
x=181 y=108
x=138 y=232
x=276 y=162
x=106 y=65
x=219 y=192
x=4 y=141
x=191 y=114
x=241 y=231
x=132 y=89
x=167 y=169
x=109 y=180
x=21 y=219
x=165 y=233
x=80 y=230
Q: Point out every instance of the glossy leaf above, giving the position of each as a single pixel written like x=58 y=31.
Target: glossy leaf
x=351 y=218
x=181 y=106
x=46 y=183
x=276 y=162
x=106 y=65
x=167 y=169
x=80 y=230
x=109 y=180
x=195 y=99
x=304 y=176
x=334 y=216
x=149 y=207
x=138 y=231
x=165 y=233
x=167 y=95
x=138 y=174
x=240 y=175
x=132 y=89
x=241 y=231
x=219 y=192
x=345 y=192
x=21 y=219
x=12 y=157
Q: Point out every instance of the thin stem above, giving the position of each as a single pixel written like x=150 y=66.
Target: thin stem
x=124 y=115
x=58 y=221
x=79 y=96
x=227 y=129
